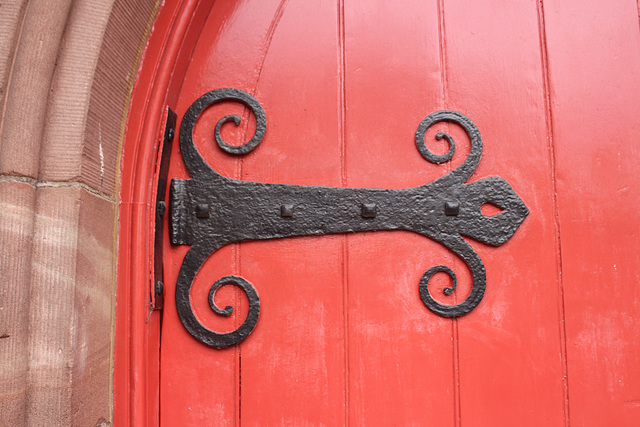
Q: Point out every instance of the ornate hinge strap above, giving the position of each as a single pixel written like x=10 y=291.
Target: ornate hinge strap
x=210 y=211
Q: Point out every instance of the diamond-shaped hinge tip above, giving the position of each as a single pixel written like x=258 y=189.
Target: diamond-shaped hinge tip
x=286 y=211
x=369 y=210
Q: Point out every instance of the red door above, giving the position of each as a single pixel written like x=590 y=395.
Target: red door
x=345 y=332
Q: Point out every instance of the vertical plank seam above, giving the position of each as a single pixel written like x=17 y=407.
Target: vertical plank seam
x=238 y=363
x=443 y=53
x=258 y=71
x=455 y=345
x=270 y=33
x=342 y=111
x=240 y=169
x=638 y=7
x=556 y=218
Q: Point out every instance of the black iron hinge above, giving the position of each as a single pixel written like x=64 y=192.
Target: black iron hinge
x=209 y=211
x=162 y=168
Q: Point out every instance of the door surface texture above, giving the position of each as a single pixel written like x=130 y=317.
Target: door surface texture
x=344 y=335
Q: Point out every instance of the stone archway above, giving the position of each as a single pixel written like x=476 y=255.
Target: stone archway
x=66 y=74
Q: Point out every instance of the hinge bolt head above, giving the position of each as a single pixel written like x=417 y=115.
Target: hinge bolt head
x=286 y=211
x=369 y=210
x=451 y=208
x=159 y=288
x=202 y=210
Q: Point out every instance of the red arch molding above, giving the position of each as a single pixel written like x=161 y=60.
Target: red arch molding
x=137 y=327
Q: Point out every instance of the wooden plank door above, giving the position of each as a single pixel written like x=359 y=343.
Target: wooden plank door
x=343 y=336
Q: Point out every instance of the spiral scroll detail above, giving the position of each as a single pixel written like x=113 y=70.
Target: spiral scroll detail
x=194 y=161
x=463 y=171
x=193 y=260
x=458 y=245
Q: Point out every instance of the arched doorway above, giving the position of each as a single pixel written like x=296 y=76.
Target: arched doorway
x=344 y=334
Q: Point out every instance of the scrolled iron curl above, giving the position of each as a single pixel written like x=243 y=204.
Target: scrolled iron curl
x=194 y=161
x=196 y=256
x=454 y=243
x=258 y=112
x=464 y=170
x=425 y=295
x=246 y=287
x=194 y=259
x=431 y=157
x=473 y=261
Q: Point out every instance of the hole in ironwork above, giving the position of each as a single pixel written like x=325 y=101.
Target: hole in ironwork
x=489 y=209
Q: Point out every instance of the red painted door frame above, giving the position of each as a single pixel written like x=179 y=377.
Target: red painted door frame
x=137 y=326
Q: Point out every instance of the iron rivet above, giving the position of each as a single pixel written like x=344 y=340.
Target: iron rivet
x=202 y=210
x=369 y=210
x=286 y=211
x=162 y=208
x=451 y=208
x=159 y=288
x=171 y=134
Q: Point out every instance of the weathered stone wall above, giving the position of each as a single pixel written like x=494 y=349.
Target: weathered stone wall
x=66 y=72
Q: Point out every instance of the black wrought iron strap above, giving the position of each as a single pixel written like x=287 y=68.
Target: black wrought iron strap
x=210 y=211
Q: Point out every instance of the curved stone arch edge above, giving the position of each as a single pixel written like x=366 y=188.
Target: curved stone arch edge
x=60 y=220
